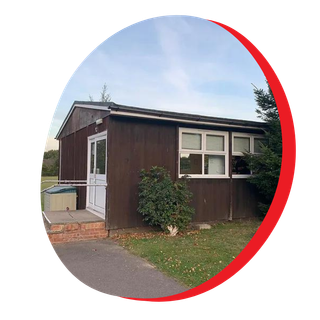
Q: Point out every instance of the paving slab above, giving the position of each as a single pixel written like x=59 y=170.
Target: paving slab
x=107 y=267
x=71 y=216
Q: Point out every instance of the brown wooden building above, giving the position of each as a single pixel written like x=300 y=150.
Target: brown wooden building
x=107 y=143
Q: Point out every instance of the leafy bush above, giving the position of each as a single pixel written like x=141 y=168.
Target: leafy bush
x=163 y=202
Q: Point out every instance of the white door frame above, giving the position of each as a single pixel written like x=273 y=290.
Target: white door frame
x=96 y=137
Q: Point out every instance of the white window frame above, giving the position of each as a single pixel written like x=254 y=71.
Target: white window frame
x=204 y=152
x=251 y=145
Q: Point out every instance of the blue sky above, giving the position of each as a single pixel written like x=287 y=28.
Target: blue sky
x=176 y=63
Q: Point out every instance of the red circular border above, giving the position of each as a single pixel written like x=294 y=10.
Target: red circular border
x=284 y=185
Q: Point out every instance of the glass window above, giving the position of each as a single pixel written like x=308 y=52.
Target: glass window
x=239 y=165
x=191 y=141
x=257 y=144
x=241 y=144
x=214 y=164
x=190 y=163
x=92 y=158
x=209 y=157
x=214 y=143
x=101 y=157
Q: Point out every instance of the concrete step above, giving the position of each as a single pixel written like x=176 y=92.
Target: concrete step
x=59 y=232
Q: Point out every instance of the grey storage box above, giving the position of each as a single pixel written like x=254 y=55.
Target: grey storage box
x=60 y=199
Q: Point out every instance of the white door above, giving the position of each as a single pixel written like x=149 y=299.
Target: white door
x=97 y=173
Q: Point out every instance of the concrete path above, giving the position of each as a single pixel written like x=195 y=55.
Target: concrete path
x=107 y=267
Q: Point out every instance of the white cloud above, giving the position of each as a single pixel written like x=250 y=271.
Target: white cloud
x=184 y=66
x=170 y=42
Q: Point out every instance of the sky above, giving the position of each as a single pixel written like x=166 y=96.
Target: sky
x=174 y=63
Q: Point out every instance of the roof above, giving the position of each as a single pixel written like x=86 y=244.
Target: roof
x=184 y=116
x=128 y=111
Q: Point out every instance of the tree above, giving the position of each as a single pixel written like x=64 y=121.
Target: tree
x=50 y=165
x=104 y=95
x=267 y=165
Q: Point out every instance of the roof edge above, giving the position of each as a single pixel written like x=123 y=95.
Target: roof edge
x=83 y=104
x=161 y=114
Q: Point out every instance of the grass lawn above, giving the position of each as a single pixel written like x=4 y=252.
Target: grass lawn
x=195 y=256
x=46 y=185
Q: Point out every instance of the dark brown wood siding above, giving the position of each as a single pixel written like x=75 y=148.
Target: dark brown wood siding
x=211 y=199
x=67 y=157
x=81 y=118
x=245 y=199
x=74 y=148
x=134 y=145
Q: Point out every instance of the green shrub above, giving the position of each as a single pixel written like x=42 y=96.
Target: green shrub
x=163 y=202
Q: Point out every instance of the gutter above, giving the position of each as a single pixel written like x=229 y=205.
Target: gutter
x=167 y=118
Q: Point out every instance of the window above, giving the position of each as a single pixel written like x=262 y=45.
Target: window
x=190 y=163
x=214 y=164
x=191 y=141
x=203 y=153
x=215 y=143
x=101 y=157
x=92 y=158
x=241 y=144
x=244 y=143
x=257 y=143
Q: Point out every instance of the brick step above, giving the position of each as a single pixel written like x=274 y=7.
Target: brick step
x=76 y=231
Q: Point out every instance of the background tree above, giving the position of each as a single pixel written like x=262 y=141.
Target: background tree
x=104 y=95
x=50 y=164
x=267 y=165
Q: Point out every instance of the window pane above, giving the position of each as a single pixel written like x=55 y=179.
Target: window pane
x=241 y=144
x=215 y=143
x=239 y=165
x=190 y=163
x=214 y=164
x=191 y=141
x=92 y=158
x=101 y=157
x=257 y=144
